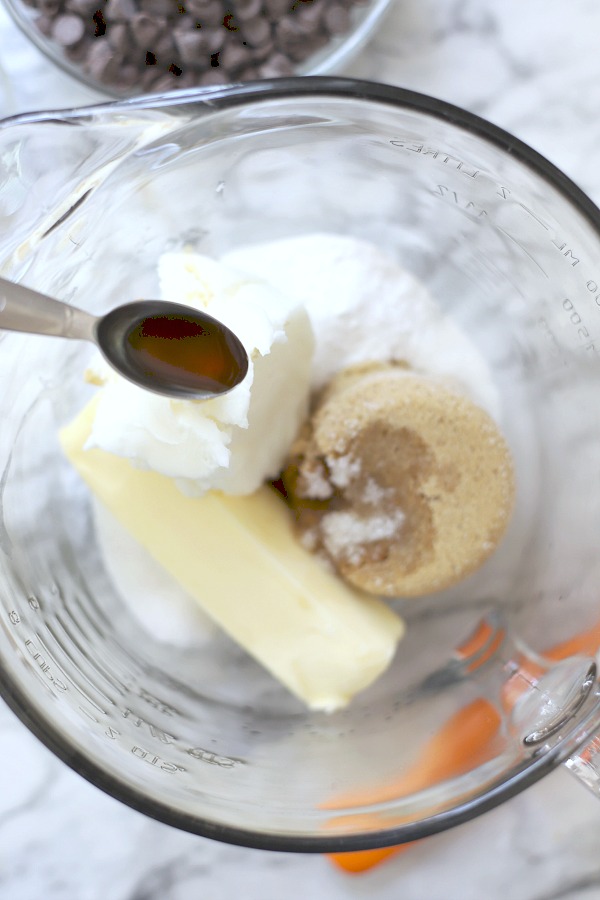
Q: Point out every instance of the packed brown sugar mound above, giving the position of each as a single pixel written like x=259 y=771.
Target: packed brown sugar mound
x=404 y=485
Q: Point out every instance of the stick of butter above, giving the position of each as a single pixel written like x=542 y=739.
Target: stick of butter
x=239 y=558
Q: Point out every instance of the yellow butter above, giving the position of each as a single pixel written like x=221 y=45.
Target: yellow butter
x=239 y=558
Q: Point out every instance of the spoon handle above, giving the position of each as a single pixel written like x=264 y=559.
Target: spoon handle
x=23 y=309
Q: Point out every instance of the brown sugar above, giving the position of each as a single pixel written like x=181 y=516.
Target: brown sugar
x=404 y=485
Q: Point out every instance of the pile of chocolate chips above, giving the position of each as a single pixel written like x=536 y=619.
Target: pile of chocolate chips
x=134 y=46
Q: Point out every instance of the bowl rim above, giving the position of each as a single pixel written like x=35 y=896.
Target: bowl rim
x=217 y=97
x=213 y=100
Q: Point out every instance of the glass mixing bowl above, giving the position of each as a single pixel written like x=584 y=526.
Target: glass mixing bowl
x=124 y=48
x=495 y=684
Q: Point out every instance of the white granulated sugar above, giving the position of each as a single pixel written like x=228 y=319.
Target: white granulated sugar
x=345 y=533
x=343 y=469
x=309 y=539
x=374 y=493
x=364 y=306
x=315 y=485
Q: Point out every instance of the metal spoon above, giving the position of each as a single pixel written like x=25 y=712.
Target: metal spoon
x=161 y=346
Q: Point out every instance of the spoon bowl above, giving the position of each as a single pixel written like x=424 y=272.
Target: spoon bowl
x=164 y=347
x=170 y=348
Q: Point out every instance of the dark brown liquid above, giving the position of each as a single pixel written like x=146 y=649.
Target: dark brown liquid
x=187 y=351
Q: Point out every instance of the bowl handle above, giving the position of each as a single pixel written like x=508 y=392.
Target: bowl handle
x=585 y=765
x=552 y=701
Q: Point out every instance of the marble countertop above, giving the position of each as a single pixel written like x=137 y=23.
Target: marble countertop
x=533 y=68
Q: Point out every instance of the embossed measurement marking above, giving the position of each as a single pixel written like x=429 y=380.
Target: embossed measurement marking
x=450 y=161
x=44 y=666
x=446 y=159
x=214 y=759
x=461 y=202
x=523 y=249
x=151 y=758
x=577 y=322
x=157 y=733
x=37 y=655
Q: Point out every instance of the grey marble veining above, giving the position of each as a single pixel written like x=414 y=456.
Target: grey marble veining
x=534 y=69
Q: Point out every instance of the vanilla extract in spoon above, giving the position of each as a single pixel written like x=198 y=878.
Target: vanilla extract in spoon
x=161 y=346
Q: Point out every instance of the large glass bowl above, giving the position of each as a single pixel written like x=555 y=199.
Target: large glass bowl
x=124 y=48
x=495 y=684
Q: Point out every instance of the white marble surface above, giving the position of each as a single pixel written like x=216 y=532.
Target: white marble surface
x=533 y=68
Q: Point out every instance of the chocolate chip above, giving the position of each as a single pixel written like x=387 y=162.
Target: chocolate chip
x=68 y=30
x=235 y=56
x=247 y=9
x=278 y=66
x=190 y=45
x=100 y=61
x=149 y=77
x=213 y=39
x=78 y=52
x=207 y=12
x=117 y=10
x=161 y=8
x=145 y=29
x=45 y=23
x=83 y=8
x=119 y=38
x=249 y=74
x=128 y=75
x=257 y=32
x=277 y=8
x=262 y=53
x=49 y=7
x=287 y=33
x=292 y=40
x=212 y=77
x=165 y=51
x=308 y=18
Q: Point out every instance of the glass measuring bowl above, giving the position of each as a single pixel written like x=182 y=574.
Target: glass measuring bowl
x=495 y=685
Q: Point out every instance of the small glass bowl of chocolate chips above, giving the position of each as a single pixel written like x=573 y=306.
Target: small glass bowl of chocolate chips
x=129 y=47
